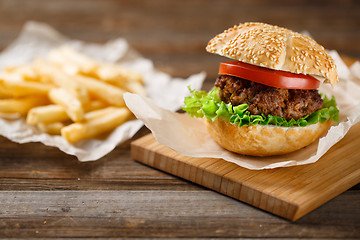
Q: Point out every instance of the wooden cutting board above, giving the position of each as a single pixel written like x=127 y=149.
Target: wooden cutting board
x=288 y=192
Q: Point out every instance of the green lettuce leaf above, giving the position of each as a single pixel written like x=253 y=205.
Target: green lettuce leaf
x=209 y=105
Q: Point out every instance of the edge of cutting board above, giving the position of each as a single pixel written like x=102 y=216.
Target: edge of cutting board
x=288 y=192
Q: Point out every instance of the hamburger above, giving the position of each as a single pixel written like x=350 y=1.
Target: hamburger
x=265 y=101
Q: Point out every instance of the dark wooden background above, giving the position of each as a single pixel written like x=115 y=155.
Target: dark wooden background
x=46 y=193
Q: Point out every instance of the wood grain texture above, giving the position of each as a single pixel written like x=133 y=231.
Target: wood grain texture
x=174 y=33
x=203 y=214
x=288 y=192
x=49 y=169
x=45 y=193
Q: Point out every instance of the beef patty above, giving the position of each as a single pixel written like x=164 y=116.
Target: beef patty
x=262 y=99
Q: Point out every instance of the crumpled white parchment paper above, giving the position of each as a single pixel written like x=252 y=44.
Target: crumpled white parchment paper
x=36 y=39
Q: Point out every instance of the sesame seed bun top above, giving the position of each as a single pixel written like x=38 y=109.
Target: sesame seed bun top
x=276 y=48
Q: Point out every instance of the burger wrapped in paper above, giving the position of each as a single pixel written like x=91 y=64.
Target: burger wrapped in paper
x=265 y=101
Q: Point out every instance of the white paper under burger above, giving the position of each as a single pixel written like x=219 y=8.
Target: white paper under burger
x=189 y=137
x=36 y=39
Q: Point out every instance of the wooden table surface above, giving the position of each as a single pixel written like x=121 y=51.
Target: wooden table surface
x=46 y=193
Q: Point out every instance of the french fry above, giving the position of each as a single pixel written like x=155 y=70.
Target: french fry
x=51 y=128
x=71 y=104
x=95 y=126
x=61 y=79
x=67 y=56
x=19 y=88
x=4 y=93
x=74 y=62
x=136 y=87
x=21 y=105
x=123 y=78
x=68 y=94
x=98 y=113
x=115 y=73
x=26 y=71
x=56 y=113
x=10 y=76
x=46 y=114
x=85 y=63
x=103 y=91
x=60 y=60
x=94 y=105
x=10 y=116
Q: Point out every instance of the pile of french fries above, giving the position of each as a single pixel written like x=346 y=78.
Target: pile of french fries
x=68 y=94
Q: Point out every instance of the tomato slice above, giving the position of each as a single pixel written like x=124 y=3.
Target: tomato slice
x=269 y=77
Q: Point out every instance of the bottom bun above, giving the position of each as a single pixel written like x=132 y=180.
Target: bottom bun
x=263 y=140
